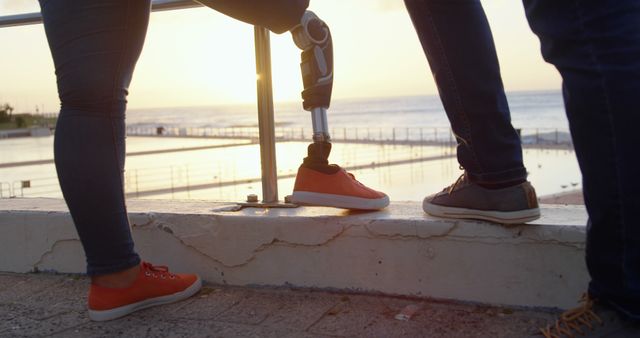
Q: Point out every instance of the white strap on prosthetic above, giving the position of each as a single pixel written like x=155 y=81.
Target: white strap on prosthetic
x=305 y=41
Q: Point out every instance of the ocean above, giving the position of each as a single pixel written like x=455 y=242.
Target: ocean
x=229 y=169
x=529 y=110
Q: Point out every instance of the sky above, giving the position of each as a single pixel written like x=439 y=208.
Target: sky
x=198 y=57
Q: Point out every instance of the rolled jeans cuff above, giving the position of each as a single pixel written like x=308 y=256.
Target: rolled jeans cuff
x=499 y=177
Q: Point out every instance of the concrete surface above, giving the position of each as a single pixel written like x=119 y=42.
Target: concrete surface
x=573 y=197
x=397 y=251
x=38 y=305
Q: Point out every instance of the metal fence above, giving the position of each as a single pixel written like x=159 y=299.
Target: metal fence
x=396 y=135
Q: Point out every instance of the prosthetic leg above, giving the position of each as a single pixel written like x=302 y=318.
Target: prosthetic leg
x=317 y=181
x=313 y=36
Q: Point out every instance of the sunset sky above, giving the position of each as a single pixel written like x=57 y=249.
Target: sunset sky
x=199 y=57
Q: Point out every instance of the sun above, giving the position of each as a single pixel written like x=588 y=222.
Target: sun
x=199 y=57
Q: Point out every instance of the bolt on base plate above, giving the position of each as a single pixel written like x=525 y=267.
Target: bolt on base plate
x=267 y=205
x=252 y=202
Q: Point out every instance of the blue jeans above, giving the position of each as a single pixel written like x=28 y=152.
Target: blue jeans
x=95 y=45
x=457 y=41
x=595 y=45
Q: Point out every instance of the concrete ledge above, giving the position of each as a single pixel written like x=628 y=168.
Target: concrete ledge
x=396 y=251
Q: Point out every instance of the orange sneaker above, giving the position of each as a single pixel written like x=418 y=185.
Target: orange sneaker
x=340 y=190
x=155 y=285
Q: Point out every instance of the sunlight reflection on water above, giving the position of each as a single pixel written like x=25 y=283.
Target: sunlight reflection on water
x=176 y=175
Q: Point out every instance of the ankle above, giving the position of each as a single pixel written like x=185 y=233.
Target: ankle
x=501 y=185
x=324 y=168
x=117 y=280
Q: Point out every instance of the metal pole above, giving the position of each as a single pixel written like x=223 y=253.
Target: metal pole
x=36 y=18
x=266 y=125
x=188 y=188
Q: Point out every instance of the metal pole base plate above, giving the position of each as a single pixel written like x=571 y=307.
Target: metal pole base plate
x=266 y=205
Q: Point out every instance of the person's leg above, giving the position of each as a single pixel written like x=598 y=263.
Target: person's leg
x=457 y=41
x=278 y=16
x=317 y=181
x=595 y=45
x=95 y=45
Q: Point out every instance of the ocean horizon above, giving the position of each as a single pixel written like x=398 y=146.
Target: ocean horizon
x=529 y=109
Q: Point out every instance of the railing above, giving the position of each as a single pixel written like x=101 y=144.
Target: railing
x=265 y=96
x=395 y=135
x=17 y=188
x=36 y=18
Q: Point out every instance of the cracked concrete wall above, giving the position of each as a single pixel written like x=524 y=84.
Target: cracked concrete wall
x=396 y=251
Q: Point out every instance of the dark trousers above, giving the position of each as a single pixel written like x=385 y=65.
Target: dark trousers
x=595 y=45
x=459 y=46
x=95 y=45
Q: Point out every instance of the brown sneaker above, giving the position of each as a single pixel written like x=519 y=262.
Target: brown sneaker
x=465 y=199
x=591 y=320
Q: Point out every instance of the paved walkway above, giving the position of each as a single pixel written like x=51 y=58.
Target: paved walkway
x=54 y=305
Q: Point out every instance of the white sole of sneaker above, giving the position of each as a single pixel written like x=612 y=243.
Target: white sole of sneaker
x=339 y=201
x=104 y=315
x=502 y=217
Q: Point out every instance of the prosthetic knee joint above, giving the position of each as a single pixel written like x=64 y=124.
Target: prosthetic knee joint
x=312 y=35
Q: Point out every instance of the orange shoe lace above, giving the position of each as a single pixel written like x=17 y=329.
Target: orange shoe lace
x=571 y=321
x=156 y=271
